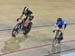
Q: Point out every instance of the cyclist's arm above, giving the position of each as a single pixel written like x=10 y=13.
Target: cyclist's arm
x=56 y=24
x=21 y=16
x=64 y=24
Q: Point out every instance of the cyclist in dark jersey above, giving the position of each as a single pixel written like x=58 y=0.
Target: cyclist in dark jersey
x=28 y=13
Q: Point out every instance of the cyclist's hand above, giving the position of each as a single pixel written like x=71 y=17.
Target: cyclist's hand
x=18 y=19
x=53 y=30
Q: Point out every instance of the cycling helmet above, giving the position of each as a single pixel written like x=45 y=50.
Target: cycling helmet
x=25 y=8
x=59 y=19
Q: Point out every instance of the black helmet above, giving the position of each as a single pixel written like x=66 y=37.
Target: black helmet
x=59 y=19
x=25 y=8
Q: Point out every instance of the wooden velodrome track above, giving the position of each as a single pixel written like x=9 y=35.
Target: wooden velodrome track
x=45 y=11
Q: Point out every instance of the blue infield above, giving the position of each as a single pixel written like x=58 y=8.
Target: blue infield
x=70 y=54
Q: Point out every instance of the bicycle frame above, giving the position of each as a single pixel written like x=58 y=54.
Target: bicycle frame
x=57 y=38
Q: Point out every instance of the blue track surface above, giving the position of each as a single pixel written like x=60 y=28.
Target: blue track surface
x=70 y=54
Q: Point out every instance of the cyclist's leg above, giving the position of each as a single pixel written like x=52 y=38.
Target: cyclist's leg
x=61 y=35
x=58 y=34
x=27 y=29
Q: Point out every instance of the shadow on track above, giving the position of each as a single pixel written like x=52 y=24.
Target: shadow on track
x=13 y=43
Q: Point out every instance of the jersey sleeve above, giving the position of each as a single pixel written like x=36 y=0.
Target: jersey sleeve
x=23 y=11
x=56 y=23
x=63 y=23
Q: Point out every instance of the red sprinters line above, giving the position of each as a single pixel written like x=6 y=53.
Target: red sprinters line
x=33 y=48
